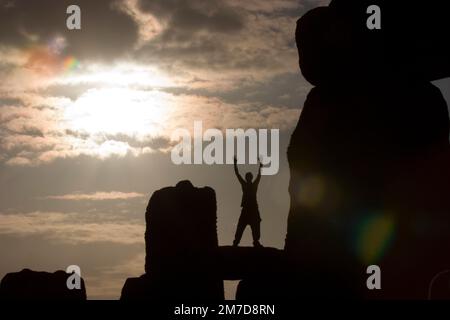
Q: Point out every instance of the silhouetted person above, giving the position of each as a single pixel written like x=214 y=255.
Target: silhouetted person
x=250 y=212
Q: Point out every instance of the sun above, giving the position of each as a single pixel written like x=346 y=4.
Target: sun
x=118 y=111
x=125 y=100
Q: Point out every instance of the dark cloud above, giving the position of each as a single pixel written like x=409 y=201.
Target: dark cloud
x=73 y=91
x=218 y=36
x=155 y=143
x=185 y=17
x=30 y=131
x=287 y=90
x=199 y=34
x=106 y=31
x=76 y=134
x=9 y=101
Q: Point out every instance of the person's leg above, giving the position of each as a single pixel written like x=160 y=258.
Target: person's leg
x=256 y=233
x=239 y=231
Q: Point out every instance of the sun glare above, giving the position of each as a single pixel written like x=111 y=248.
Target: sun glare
x=119 y=111
x=122 y=75
x=122 y=99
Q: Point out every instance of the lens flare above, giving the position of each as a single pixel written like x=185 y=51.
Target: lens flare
x=312 y=191
x=374 y=237
x=70 y=63
x=48 y=58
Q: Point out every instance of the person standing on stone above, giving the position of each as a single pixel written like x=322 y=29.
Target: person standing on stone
x=250 y=212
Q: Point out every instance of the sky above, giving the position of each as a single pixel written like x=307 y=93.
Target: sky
x=86 y=118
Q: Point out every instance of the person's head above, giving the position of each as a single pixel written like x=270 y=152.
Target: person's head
x=249 y=177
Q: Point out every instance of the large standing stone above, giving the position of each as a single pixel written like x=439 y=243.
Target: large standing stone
x=181 y=247
x=367 y=158
x=34 y=285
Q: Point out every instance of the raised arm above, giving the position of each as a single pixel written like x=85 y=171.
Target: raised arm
x=258 y=177
x=236 y=171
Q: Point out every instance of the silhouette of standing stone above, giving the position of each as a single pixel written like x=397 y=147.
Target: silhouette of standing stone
x=236 y=263
x=260 y=269
x=412 y=38
x=34 y=285
x=181 y=246
x=372 y=136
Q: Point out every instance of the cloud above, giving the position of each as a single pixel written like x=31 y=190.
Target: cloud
x=74 y=227
x=160 y=65
x=108 y=281
x=262 y=48
x=196 y=15
x=97 y=196
x=107 y=32
x=215 y=43
x=104 y=266
x=19 y=161
x=148 y=25
x=42 y=129
x=268 y=7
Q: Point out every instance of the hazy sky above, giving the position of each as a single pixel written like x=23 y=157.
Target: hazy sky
x=86 y=116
